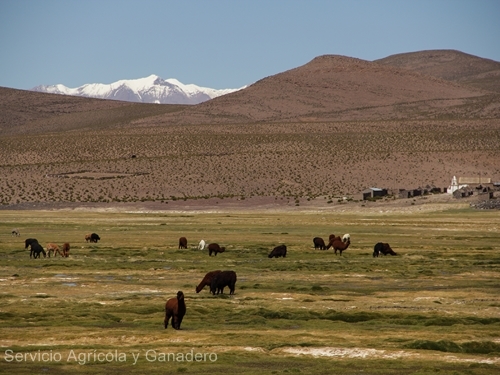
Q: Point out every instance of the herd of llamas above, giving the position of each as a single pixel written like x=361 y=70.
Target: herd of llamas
x=175 y=308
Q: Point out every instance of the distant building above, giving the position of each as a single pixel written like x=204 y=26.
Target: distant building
x=454 y=186
x=374 y=192
x=410 y=193
x=480 y=183
x=463 y=192
x=474 y=180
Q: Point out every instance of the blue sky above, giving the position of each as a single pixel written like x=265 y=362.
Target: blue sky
x=224 y=43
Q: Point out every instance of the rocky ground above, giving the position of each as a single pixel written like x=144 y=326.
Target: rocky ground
x=489 y=204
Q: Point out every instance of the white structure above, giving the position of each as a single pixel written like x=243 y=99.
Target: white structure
x=454 y=186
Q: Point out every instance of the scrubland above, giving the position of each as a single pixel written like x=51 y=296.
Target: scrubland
x=299 y=161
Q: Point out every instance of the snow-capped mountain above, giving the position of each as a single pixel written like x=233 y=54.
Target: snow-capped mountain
x=152 y=89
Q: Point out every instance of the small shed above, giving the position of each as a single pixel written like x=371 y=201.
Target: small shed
x=374 y=192
x=403 y=193
x=463 y=192
x=417 y=192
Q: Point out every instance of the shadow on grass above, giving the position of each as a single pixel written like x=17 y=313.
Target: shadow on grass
x=471 y=347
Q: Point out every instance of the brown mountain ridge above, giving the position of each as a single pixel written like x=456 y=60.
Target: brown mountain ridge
x=327 y=129
x=450 y=65
x=332 y=88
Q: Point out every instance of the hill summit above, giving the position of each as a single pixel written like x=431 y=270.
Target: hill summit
x=450 y=65
x=332 y=88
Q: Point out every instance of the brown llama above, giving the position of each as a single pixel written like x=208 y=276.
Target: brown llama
x=55 y=249
x=331 y=238
x=183 y=243
x=207 y=280
x=278 y=251
x=215 y=248
x=175 y=308
x=65 y=249
x=221 y=280
x=341 y=246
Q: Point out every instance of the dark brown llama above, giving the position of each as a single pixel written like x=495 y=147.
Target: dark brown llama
x=175 y=308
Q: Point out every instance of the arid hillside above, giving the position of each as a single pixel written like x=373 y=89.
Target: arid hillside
x=29 y=112
x=339 y=88
x=328 y=129
x=450 y=65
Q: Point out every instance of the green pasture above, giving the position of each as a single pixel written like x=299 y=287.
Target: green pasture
x=434 y=308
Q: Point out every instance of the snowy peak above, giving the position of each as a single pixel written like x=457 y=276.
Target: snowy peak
x=151 y=89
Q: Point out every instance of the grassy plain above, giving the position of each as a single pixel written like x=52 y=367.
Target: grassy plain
x=434 y=308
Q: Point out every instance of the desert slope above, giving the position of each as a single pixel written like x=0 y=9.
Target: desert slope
x=29 y=112
x=332 y=88
x=450 y=65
